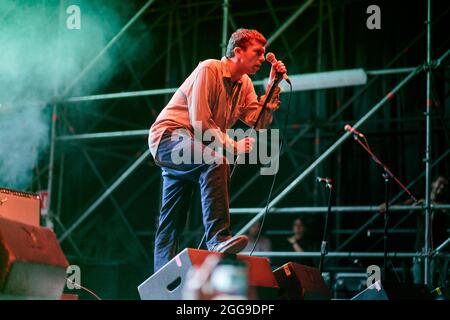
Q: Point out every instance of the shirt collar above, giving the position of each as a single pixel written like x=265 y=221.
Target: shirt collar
x=226 y=70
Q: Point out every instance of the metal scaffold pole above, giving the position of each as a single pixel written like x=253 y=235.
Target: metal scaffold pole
x=106 y=48
x=105 y=194
x=428 y=149
x=225 y=26
x=54 y=118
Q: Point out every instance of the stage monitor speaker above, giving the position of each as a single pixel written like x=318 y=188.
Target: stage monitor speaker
x=394 y=291
x=168 y=282
x=32 y=263
x=299 y=282
x=348 y=284
x=20 y=206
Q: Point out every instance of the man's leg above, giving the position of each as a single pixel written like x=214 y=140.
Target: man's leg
x=213 y=181
x=176 y=198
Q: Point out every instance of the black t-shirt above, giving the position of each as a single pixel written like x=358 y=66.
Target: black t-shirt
x=306 y=246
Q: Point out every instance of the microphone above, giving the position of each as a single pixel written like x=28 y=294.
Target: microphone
x=326 y=180
x=270 y=57
x=350 y=129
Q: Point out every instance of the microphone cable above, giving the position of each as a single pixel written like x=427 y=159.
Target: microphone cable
x=79 y=286
x=283 y=132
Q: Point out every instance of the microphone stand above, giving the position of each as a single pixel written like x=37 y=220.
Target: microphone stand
x=323 y=247
x=387 y=176
x=278 y=79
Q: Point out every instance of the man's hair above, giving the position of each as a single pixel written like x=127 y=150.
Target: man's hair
x=241 y=38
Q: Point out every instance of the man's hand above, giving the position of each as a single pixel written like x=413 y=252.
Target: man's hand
x=245 y=145
x=276 y=67
x=274 y=102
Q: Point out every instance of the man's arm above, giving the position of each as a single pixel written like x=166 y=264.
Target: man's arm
x=295 y=245
x=253 y=107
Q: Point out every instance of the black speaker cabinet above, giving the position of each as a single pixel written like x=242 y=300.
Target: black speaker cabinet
x=299 y=282
x=394 y=291
x=168 y=282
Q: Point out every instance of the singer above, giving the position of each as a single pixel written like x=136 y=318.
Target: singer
x=215 y=95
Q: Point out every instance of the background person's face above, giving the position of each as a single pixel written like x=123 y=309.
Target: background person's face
x=438 y=186
x=298 y=227
x=254 y=229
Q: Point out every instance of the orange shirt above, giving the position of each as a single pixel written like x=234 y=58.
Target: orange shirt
x=208 y=98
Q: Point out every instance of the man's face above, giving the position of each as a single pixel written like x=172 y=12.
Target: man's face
x=252 y=57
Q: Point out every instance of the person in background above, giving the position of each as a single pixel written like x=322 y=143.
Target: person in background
x=439 y=194
x=263 y=244
x=297 y=239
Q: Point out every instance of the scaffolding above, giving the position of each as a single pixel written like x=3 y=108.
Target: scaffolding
x=56 y=155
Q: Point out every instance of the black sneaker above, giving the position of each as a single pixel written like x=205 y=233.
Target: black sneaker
x=233 y=245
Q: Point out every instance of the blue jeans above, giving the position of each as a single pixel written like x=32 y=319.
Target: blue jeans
x=178 y=184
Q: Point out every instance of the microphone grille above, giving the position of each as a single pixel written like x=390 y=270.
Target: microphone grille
x=270 y=57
